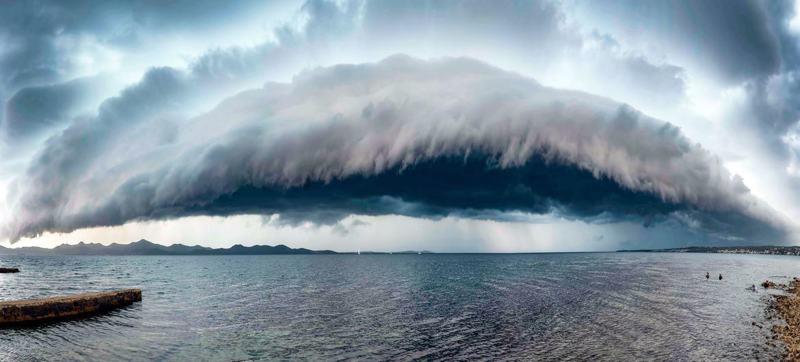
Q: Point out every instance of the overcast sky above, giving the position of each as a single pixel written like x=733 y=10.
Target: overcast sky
x=498 y=126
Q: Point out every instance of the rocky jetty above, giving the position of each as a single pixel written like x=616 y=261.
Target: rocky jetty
x=58 y=308
x=787 y=308
x=9 y=270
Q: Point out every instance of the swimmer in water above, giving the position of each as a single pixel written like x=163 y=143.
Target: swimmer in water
x=707 y=275
x=720 y=277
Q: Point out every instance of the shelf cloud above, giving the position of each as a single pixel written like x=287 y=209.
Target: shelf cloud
x=658 y=124
x=404 y=136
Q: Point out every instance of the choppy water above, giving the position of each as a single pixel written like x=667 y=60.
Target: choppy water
x=538 y=306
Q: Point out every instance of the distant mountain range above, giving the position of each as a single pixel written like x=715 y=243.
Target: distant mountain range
x=144 y=247
x=771 y=250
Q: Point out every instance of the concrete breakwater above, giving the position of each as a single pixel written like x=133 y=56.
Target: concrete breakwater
x=65 y=307
x=9 y=270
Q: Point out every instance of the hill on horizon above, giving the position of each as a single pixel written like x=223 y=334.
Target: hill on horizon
x=146 y=247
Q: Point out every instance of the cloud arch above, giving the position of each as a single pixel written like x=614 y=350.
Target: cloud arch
x=346 y=139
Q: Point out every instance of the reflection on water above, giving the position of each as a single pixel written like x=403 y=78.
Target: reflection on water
x=546 y=306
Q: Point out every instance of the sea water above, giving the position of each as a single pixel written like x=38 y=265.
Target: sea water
x=612 y=306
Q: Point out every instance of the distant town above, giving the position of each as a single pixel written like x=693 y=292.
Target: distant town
x=770 y=250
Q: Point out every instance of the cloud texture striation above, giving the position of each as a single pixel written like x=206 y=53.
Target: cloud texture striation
x=404 y=136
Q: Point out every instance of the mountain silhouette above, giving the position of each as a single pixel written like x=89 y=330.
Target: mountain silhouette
x=145 y=247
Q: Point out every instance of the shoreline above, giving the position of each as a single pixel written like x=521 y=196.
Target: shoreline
x=786 y=307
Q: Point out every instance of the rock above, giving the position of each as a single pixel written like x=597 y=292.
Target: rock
x=59 y=308
x=787 y=308
x=768 y=284
x=9 y=270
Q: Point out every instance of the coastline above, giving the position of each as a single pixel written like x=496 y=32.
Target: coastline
x=786 y=307
x=743 y=249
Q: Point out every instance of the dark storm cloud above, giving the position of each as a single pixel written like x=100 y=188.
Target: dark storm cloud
x=423 y=139
x=472 y=187
x=771 y=110
x=162 y=95
x=403 y=136
x=41 y=44
x=733 y=39
x=773 y=98
x=36 y=108
x=745 y=46
x=745 y=43
x=530 y=33
x=774 y=103
x=31 y=32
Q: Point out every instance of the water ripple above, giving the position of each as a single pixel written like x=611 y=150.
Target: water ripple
x=434 y=307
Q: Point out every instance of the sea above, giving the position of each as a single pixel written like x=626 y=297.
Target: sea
x=580 y=306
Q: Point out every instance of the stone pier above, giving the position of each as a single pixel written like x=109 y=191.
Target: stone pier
x=65 y=307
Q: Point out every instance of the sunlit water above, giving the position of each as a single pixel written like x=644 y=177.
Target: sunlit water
x=540 y=306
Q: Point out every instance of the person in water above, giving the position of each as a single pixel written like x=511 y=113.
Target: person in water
x=720 y=276
x=707 y=275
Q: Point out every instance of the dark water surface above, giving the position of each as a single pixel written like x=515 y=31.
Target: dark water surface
x=609 y=306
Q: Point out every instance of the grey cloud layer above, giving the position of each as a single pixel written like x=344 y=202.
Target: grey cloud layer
x=38 y=37
x=315 y=142
x=43 y=44
x=749 y=48
x=326 y=140
x=738 y=39
x=745 y=43
x=530 y=34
